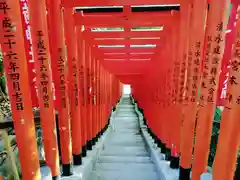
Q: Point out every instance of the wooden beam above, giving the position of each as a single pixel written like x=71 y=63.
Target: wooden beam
x=127 y=50
x=125 y=42
x=129 y=60
x=127 y=35
x=84 y=3
x=126 y=56
x=121 y=20
x=126 y=67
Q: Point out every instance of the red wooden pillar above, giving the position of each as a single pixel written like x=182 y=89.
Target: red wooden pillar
x=89 y=103
x=15 y=62
x=109 y=87
x=74 y=87
x=41 y=54
x=218 y=17
x=29 y=51
x=93 y=100
x=175 y=140
x=110 y=94
x=98 y=99
x=166 y=130
x=228 y=142
x=170 y=124
x=182 y=50
x=104 y=97
x=82 y=87
x=60 y=78
x=101 y=98
x=194 y=59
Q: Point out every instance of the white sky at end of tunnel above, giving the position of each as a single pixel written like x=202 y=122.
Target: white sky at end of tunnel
x=126 y=89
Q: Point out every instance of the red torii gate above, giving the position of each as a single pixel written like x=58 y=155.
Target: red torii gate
x=129 y=57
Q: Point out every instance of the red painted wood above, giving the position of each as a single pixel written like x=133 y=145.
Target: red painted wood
x=76 y=3
x=121 y=20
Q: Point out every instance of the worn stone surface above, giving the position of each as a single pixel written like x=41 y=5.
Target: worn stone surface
x=125 y=155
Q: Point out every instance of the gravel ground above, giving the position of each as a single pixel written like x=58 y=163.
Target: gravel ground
x=5 y=108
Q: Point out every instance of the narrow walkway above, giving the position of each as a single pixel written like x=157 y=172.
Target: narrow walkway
x=125 y=156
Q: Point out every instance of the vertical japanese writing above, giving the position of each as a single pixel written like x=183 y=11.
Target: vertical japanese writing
x=196 y=71
x=61 y=70
x=182 y=79
x=28 y=42
x=216 y=55
x=81 y=79
x=176 y=74
x=75 y=80
x=189 y=75
x=94 y=83
x=233 y=94
x=42 y=58
x=88 y=86
x=10 y=57
x=98 y=83
x=169 y=88
x=205 y=73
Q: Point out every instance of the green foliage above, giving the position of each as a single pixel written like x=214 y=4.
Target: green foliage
x=2 y=77
x=215 y=133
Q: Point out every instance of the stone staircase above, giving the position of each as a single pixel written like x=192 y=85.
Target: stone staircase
x=125 y=155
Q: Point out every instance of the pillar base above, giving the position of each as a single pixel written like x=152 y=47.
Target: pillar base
x=84 y=151
x=237 y=171
x=94 y=140
x=184 y=174
x=105 y=128
x=89 y=145
x=159 y=143
x=67 y=170
x=174 y=164
x=155 y=139
x=56 y=177
x=98 y=136
x=149 y=131
x=77 y=159
x=163 y=148
x=144 y=121
x=168 y=154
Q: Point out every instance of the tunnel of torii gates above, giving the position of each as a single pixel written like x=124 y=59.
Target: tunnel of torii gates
x=178 y=72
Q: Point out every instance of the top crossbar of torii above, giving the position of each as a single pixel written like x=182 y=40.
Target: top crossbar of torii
x=82 y=3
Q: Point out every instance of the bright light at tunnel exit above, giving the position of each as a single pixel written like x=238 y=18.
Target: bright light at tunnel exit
x=126 y=89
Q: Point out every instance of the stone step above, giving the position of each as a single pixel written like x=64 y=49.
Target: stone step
x=129 y=142
x=126 y=135
x=130 y=138
x=126 y=175
x=135 y=167
x=125 y=151
x=126 y=159
x=123 y=143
